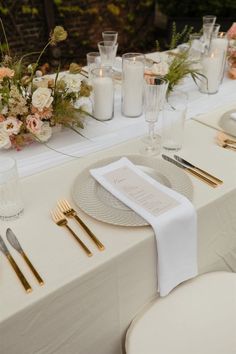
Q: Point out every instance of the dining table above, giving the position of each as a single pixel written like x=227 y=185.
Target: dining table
x=87 y=303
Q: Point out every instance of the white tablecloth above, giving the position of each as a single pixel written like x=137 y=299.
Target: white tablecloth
x=87 y=304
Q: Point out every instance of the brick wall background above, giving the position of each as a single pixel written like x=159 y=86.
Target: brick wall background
x=28 y=22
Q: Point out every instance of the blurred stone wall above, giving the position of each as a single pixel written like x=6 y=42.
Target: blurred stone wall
x=28 y=22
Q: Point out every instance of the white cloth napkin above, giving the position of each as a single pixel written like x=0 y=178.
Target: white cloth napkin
x=171 y=215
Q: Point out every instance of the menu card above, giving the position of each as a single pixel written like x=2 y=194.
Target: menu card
x=140 y=190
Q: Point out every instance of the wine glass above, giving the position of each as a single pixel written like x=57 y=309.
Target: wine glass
x=155 y=88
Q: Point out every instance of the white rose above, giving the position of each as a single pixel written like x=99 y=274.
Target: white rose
x=72 y=82
x=11 y=125
x=45 y=132
x=42 y=98
x=5 y=142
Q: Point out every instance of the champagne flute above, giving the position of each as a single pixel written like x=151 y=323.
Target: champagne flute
x=155 y=88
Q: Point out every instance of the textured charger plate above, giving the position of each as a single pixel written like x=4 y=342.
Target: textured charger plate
x=228 y=124
x=97 y=202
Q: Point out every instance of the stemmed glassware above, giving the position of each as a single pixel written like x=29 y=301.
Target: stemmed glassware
x=155 y=88
x=107 y=50
x=110 y=36
x=208 y=25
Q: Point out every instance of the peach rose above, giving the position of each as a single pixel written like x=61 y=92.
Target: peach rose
x=232 y=73
x=46 y=113
x=33 y=123
x=231 y=34
x=6 y=72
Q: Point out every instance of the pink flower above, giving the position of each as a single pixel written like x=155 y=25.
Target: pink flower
x=46 y=113
x=231 y=34
x=6 y=72
x=232 y=73
x=33 y=123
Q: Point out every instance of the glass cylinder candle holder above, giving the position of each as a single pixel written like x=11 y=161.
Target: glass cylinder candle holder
x=11 y=205
x=211 y=69
x=219 y=44
x=132 y=84
x=93 y=62
x=103 y=93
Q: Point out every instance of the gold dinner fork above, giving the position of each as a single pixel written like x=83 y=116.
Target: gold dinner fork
x=68 y=211
x=60 y=220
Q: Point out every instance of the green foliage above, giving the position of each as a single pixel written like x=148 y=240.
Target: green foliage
x=28 y=10
x=4 y=10
x=114 y=9
x=180 y=65
x=179 y=37
x=179 y=68
x=186 y=8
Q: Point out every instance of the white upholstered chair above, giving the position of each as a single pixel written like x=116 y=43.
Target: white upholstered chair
x=198 y=317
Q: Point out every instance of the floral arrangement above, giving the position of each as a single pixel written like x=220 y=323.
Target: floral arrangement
x=31 y=105
x=231 y=35
x=176 y=65
x=175 y=68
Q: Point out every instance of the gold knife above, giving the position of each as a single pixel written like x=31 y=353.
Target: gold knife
x=17 y=270
x=189 y=164
x=191 y=171
x=16 y=244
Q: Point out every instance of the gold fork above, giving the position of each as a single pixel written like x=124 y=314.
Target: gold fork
x=60 y=220
x=68 y=211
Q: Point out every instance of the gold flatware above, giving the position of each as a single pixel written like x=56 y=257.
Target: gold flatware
x=60 y=220
x=17 y=270
x=226 y=142
x=189 y=164
x=16 y=244
x=191 y=171
x=68 y=211
x=228 y=146
x=225 y=139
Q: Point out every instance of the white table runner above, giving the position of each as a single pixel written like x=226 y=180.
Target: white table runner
x=101 y=135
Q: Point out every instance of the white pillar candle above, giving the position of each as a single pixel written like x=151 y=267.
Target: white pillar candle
x=211 y=69
x=220 y=45
x=103 y=98
x=132 y=87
